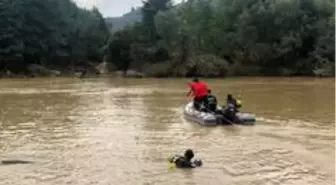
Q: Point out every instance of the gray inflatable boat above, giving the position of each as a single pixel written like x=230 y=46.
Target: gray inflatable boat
x=212 y=119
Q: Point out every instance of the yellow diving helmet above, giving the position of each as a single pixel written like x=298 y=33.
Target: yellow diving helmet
x=239 y=103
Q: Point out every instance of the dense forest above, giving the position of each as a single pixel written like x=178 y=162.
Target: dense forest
x=229 y=37
x=52 y=33
x=195 y=38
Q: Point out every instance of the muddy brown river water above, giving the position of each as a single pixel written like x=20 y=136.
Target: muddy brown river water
x=110 y=131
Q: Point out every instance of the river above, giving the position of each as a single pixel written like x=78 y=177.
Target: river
x=113 y=131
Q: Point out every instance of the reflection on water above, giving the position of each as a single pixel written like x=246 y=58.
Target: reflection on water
x=121 y=131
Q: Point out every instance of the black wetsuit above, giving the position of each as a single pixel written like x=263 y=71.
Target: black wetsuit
x=183 y=162
x=211 y=103
x=229 y=111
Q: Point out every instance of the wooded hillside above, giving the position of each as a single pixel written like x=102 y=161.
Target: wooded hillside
x=229 y=37
x=49 y=32
x=196 y=38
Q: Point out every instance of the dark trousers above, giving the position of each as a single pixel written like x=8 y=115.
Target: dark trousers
x=198 y=101
x=212 y=107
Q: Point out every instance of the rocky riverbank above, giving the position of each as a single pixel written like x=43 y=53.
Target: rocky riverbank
x=80 y=71
x=105 y=68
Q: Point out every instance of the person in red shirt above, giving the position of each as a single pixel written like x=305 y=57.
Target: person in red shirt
x=199 y=90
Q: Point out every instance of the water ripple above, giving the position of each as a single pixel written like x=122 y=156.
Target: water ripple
x=100 y=131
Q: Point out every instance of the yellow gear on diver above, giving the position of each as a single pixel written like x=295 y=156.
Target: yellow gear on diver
x=171 y=162
x=239 y=102
x=171 y=165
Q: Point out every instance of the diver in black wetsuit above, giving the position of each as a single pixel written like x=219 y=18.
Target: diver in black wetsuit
x=210 y=102
x=185 y=161
x=230 y=109
x=231 y=100
x=229 y=112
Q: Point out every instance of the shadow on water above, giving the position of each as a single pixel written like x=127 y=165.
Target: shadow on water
x=14 y=162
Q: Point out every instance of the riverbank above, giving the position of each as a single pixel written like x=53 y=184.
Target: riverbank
x=107 y=69
x=80 y=71
x=140 y=75
x=39 y=70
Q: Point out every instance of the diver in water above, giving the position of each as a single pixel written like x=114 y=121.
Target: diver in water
x=185 y=161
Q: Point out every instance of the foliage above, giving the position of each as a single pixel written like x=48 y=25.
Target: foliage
x=252 y=37
x=195 y=38
x=140 y=41
x=52 y=32
x=119 y=49
x=202 y=65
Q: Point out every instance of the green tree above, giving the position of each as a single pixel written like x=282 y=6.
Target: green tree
x=49 y=32
x=119 y=49
x=11 y=44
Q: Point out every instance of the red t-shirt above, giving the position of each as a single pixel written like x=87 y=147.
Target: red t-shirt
x=199 y=89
